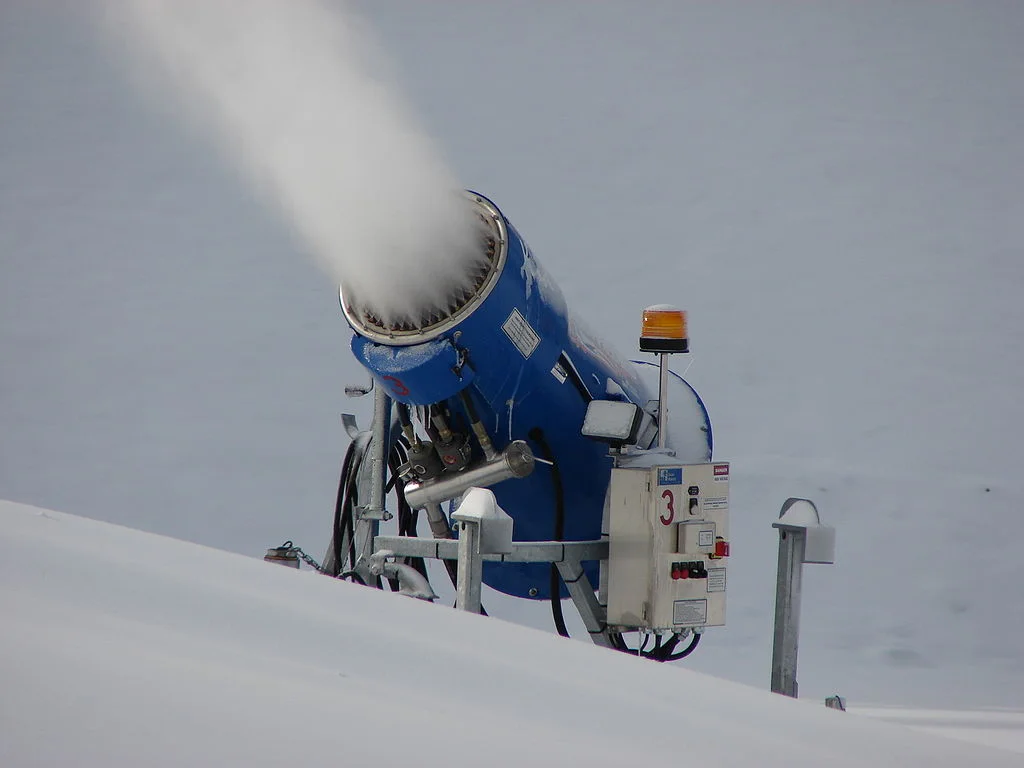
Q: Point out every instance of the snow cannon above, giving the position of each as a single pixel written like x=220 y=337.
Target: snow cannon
x=545 y=464
x=494 y=389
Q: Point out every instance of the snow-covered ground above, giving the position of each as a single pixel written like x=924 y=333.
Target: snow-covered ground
x=832 y=190
x=123 y=648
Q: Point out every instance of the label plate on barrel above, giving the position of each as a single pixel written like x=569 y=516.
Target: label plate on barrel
x=520 y=333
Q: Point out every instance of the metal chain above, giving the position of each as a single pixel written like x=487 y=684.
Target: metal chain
x=290 y=549
x=308 y=560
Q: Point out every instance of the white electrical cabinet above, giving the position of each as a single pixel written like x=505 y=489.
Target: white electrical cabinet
x=668 y=546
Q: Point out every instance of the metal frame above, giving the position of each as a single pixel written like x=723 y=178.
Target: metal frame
x=372 y=548
x=567 y=556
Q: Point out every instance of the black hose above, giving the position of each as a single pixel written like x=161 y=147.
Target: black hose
x=407 y=517
x=403 y=414
x=537 y=435
x=351 y=500
x=339 y=509
x=660 y=652
x=666 y=650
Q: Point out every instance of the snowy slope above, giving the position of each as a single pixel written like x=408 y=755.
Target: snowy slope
x=831 y=189
x=134 y=649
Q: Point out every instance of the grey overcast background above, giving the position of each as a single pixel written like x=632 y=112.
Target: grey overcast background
x=833 y=191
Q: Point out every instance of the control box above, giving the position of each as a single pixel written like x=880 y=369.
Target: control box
x=668 y=546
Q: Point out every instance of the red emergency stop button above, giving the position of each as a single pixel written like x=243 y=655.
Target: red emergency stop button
x=721 y=547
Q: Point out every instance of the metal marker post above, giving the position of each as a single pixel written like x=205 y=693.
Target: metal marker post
x=787 y=612
x=802 y=539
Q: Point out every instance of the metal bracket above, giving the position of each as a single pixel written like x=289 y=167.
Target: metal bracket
x=348 y=421
x=354 y=390
x=377 y=554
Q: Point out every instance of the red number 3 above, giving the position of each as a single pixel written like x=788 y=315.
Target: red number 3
x=396 y=385
x=669 y=506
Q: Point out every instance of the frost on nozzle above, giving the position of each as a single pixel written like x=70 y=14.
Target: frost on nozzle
x=429 y=281
x=301 y=102
x=419 y=281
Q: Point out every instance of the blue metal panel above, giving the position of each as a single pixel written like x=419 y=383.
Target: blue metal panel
x=419 y=374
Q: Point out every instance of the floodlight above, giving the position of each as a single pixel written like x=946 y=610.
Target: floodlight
x=612 y=421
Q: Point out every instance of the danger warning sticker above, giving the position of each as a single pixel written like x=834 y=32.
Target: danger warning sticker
x=721 y=473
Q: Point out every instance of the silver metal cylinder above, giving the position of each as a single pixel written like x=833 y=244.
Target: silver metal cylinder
x=515 y=461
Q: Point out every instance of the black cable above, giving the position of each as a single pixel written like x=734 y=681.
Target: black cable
x=403 y=414
x=669 y=656
x=347 y=513
x=343 y=509
x=407 y=517
x=537 y=435
x=660 y=652
x=338 y=506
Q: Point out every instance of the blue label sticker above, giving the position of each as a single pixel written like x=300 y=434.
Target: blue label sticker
x=670 y=476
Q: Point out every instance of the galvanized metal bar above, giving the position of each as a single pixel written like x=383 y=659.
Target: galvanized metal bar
x=522 y=552
x=787 y=610
x=602 y=575
x=374 y=510
x=663 y=400
x=469 y=582
x=414 y=546
x=591 y=611
x=556 y=551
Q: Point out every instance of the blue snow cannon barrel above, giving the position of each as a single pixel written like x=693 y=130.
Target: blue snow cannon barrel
x=529 y=369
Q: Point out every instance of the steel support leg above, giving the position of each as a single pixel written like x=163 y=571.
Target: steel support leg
x=471 y=568
x=582 y=592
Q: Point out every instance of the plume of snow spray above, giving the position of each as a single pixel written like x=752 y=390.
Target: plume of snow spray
x=296 y=96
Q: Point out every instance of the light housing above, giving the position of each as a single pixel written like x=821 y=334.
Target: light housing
x=664 y=330
x=612 y=421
